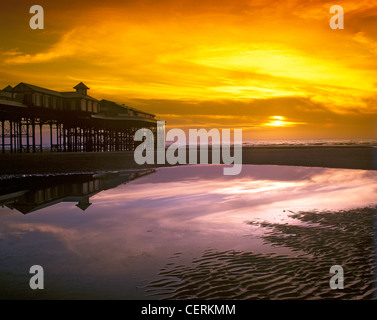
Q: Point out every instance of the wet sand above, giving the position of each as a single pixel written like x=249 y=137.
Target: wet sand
x=323 y=239
x=350 y=157
x=188 y=233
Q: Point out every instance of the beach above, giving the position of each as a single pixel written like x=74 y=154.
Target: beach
x=347 y=157
x=189 y=232
x=333 y=238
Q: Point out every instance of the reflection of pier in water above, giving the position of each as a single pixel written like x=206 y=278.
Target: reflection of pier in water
x=35 y=193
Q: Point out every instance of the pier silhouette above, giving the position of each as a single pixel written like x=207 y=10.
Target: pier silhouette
x=36 y=119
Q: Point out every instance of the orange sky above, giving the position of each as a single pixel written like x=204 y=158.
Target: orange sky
x=274 y=69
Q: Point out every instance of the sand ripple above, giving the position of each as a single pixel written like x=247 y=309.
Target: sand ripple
x=324 y=239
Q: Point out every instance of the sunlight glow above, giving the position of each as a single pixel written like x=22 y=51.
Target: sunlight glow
x=252 y=60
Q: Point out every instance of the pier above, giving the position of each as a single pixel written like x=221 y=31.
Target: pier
x=35 y=119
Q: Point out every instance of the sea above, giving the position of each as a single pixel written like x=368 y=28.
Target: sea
x=312 y=142
x=300 y=142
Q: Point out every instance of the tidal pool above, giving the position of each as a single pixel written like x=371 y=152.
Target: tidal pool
x=272 y=232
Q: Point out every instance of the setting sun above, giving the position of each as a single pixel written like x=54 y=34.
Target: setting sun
x=279 y=121
x=276 y=123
